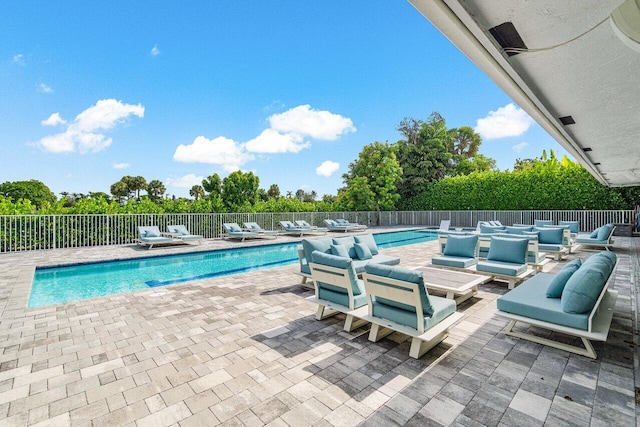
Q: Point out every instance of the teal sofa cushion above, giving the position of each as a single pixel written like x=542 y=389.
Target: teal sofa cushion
x=529 y=300
x=310 y=245
x=348 y=242
x=556 y=286
x=574 y=226
x=454 y=261
x=368 y=240
x=604 y=231
x=542 y=222
x=594 y=233
x=404 y=275
x=342 y=263
x=360 y=264
x=549 y=235
x=486 y=228
x=584 y=286
x=517 y=230
x=340 y=250
x=442 y=308
x=462 y=246
x=508 y=250
x=362 y=251
x=504 y=268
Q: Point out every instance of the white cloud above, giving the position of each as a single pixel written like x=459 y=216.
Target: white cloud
x=317 y=124
x=155 y=51
x=81 y=135
x=504 y=122
x=272 y=141
x=519 y=147
x=327 y=168
x=53 y=120
x=219 y=151
x=121 y=165
x=186 y=181
x=19 y=59
x=44 y=88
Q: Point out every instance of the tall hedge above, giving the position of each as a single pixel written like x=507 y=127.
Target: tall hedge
x=570 y=187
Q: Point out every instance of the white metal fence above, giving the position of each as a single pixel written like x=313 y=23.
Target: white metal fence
x=34 y=232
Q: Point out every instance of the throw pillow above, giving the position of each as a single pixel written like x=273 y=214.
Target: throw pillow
x=556 y=285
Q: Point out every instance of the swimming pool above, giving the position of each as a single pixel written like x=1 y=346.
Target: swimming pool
x=54 y=285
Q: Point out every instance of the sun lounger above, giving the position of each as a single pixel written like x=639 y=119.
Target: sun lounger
x=337 y=289
x=342 y=221
x=334 y=226
x=290 y=228
x=444 y=225
x=506 y=260
x=601 y=238
x=576 y=301
x=233 y=231
x=254 y=227
x=180 y=232
x=304 y=224
x=150 y=235
x=397 y=301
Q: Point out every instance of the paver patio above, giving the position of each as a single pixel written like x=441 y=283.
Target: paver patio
x=246 y=350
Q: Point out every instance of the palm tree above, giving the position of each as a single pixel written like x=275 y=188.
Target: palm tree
x=196 y=192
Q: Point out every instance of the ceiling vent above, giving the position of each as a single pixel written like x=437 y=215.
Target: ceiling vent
x=567 y=120
x=587 y=149
x=508 y=38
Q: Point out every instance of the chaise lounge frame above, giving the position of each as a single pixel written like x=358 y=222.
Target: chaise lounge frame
x=599 y=324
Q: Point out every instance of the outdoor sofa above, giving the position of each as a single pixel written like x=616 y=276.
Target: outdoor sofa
x=601 y=237
x=576 y=301
x=361 y=249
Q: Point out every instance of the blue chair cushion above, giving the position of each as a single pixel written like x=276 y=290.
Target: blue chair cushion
x=549 y=235
x=486 y=228
x=340 y=250
x=404 y=275
x=442 y=308
x=310 y=245
x=503 y=268
x=604 y=231
x=517 y=230
x=542 y=222
x=594 y=233
x=348 y=242
x=584 y=286
x=152 y=233
x=342 y=263
x=508 y=250
x=454 y=261
x=369 y=241
x=362 y=251
x=556 y=286
x=574 y=226
x=462 y=246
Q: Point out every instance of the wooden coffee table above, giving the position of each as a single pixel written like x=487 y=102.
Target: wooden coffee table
x=455 y=284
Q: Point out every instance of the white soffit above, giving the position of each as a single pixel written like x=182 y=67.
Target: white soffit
x=595 y=78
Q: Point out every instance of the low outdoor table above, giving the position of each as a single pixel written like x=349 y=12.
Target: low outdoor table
x=455 y=284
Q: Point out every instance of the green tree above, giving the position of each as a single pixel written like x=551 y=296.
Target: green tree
x=120 y=191
x=465 y=142
x=197 y=192
x=213 y=185
x=478 y=163
x=239 y=190
x=371 y=180
x=274 y=191
x=156 y=189
x=33 y=190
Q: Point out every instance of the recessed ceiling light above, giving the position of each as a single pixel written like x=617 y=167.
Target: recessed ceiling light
x=625 y=21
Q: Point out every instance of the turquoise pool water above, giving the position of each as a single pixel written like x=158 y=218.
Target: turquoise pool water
x=69 y=283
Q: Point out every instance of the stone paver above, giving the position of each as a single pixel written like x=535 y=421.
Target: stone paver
x=246 y=350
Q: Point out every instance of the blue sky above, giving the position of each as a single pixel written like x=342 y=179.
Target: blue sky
x=177 y=91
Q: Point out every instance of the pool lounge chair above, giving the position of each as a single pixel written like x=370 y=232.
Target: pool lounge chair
x=342 y=221
x=444 y=225
x=337 y=289
x=576 y=301
x=180 y=232
x=600 y=238
x=304 y=224
x=398 y=301
x=150 y=235
x=233 y=231
x=334 y=226
x=254 y=227
x=290 y=228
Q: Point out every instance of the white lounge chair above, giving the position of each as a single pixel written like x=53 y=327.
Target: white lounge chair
x=342 y=221
x=233 y=231
x=290 y=228
x=304 y=224
x=151 y=235
x=254 y=227
x=180 y=232
x=334 y=226
x=444 y=225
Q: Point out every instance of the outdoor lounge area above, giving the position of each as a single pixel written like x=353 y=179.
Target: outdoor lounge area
x=246 y=349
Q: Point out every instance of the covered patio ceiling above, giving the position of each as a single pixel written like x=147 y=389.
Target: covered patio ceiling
x=572 y=73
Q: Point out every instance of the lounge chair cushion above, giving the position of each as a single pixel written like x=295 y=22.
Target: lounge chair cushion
x=549 y=235
x=369 y=241
x=343 y=263
x=508 y=250
x=503 y=268
x=461 y=246
x=340 y=250
x=362 y=251
x=454 y=261
x=347 y=242
x=234 y=227
x=542 y=222
x=529 y=300
x=405 y=275
x=180 y=229
x=152 y=233
x=604 y=231
x=556 y=285
x=517 y=230
x=584 y=286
